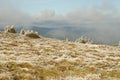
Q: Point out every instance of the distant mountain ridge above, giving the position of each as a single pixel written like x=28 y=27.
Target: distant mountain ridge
x=71 y=33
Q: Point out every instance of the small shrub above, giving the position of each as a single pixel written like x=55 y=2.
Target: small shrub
x=11 y=66
x=26 y=65
x=23 y=77
x=62 y=68
x=119 y=43
x=22 y=32
x=84 y=39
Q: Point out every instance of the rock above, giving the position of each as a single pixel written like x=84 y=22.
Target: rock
x=22 y=32
x=32 y=34
x=10 y=29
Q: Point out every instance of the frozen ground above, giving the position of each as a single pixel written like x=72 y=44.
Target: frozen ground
x=23 y=58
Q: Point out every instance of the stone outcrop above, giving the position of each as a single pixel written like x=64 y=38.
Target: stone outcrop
x=30 y=34
x=10 y=29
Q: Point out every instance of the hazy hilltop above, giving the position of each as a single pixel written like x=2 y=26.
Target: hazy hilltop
x=99 y=36
x=23 y=57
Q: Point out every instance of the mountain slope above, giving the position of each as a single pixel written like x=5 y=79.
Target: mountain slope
x=24 y=58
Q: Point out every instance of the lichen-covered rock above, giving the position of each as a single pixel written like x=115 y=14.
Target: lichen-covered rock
x=10 y=29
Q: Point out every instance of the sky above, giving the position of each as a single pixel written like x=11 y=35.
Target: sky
x=102 y=15
x=32 y=6
x=81 y=11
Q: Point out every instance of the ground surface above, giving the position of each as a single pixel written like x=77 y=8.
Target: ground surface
x=23 y=58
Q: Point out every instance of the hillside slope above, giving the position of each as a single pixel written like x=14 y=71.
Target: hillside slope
x=24 y=58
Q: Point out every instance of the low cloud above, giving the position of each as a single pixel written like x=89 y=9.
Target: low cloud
x=14 y=16
x=104 y=20
x=97 y=15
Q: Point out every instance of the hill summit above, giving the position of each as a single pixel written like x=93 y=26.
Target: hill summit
x=27 y=58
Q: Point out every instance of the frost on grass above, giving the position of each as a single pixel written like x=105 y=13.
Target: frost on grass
x=31 y=34
x=84 y=39
x=10 y=29
x=24 y=58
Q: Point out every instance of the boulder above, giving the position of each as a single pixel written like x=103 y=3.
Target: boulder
x=31 y=34
x=10 y=29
